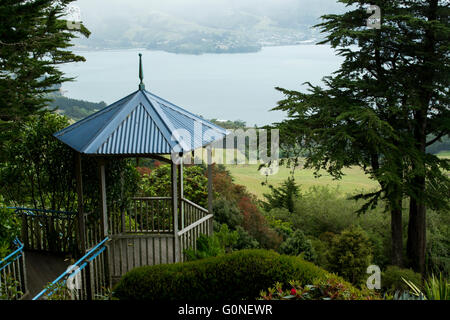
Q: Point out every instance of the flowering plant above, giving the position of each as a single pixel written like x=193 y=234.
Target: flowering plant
x=330 y=288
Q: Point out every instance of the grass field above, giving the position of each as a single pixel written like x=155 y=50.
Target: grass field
x=353 y=181
x=444 y=154
x=249 y=176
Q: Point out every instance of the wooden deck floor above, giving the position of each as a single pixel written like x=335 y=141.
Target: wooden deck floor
x=42 y=268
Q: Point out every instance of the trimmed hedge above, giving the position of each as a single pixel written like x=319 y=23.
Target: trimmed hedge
x=235 y=276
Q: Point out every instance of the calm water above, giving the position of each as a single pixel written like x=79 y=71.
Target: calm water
x=222 y=86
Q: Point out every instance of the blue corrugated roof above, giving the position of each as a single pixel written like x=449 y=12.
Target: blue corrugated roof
x=141 y=123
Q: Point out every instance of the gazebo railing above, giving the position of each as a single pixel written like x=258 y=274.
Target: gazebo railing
x=48 y=230
x=190 y=213
x=144 y=215
x=13 y=285
x=144 y=234
x=194 y=221
x=129 y=251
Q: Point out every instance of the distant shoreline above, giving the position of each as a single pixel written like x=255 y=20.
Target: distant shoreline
x=302 y=43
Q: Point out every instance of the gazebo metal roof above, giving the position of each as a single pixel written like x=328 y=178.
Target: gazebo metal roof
x=141 y=123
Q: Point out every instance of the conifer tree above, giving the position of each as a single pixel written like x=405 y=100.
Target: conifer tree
x=35 y=38
x=379 y=109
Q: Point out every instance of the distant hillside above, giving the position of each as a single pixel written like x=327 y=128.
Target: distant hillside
x=79 y=109
x=197 y=26
x=75 y=109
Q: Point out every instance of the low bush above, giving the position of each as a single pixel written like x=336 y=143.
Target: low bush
x=276 y=218
x=350 y=255
x=391 y=279
x=226 y=211
x=257 y=226
x=235 y=276
x=219 y=243
x=245 y=240
x=297 y=244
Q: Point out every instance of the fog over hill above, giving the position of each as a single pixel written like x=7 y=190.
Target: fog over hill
x=201 y=26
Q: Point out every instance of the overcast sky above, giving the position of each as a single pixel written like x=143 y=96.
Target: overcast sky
x=93 y=12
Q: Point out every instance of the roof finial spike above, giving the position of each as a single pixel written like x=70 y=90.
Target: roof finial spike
x=141 y=73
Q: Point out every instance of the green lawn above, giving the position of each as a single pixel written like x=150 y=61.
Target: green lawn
x=249 y=176
x=444 y=154
x=353 y=181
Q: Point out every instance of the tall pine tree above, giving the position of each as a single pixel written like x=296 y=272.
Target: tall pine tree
x=377 y=110
x=34 y=39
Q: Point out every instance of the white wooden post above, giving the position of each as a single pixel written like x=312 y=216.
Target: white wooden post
x=176 y=239
x=104 y=209
x=210 y=190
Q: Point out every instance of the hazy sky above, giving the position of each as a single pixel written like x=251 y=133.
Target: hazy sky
x=94 y=12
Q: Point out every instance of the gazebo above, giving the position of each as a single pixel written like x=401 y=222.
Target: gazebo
x=155 y=230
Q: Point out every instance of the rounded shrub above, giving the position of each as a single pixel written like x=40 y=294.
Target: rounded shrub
x=350 y=255
x=298 y=244
x=391 y=279
x=235 y=276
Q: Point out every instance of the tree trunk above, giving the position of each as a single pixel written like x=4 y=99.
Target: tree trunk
x=416 y=245
x=417 y=212
x=397 y=237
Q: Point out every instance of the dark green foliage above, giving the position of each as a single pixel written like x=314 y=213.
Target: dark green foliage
x=236 y=276
x=40 y=169
x=282 y=196
x=226 y=211
x=245 y=240
x=321 y=249
x=75 y=109
x=322 y=212
x=34 y=40
x=280 y=220
x=350 y=255
x=158 y=184
x=40 y=172
x=9 y=229
x=206 y=247
x=222 y=241
x=297 y=244
x=391 y=279
x=438 y=242
x=9 y=290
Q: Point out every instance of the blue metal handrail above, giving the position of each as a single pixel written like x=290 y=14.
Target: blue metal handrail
x=13 y=256
x=81 y=263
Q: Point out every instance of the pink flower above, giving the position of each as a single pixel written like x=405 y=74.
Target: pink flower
x=293 y=292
